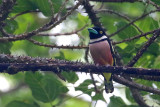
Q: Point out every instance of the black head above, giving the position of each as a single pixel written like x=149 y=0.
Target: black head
x=96 y=32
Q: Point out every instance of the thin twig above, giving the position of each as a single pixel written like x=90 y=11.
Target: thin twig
x=135 y=37
x=45 y=27
x=59 y=34
x=138 y=98
x=145 y=77
x=52 y=8
x=95 y=87
x=55 y=46
x=86 y=55
x=152 y=3
x=131 y=84
x=135 y=92
x=60 y=10
x=64 y=17
x=120 y=15
x=121 y=29
x=28 y=11
x=144 y=48
x=131 y=1
x=5 y=7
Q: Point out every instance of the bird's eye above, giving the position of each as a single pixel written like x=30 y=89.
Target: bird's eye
x=100 y=32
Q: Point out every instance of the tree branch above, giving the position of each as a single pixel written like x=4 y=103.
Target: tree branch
x=40 y=64
x=144 y=48
x=141 y=17
x=28 y=11
x=45 y=27
x=93 y=17
x=20 y=63
x=68 y=33
x=55 y=46
x=145 y=77
x=138 y=98
x=120 y=15
x=134 y=85
x=13 y=64
x=131 y=1
x=135 y=92
x=91 y=13
x=5 y=8
x=135 y=37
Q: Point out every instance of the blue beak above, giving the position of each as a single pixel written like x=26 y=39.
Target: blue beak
x=92 y=30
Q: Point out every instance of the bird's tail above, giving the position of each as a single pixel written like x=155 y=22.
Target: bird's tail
x=108 y=83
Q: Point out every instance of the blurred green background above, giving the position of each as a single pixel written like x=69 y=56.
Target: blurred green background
x=43 y=89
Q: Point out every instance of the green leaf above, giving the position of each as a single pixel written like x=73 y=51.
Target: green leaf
x=153 y=49
x=38 y=90
x=24 y=47
x=148 y=24
x=36 y=104
x=23 y=5
x=61 y=56
x=56 y=5
x=45 y=88
x=144 y=82
x=5 y=48
x=11 y=26
x=133 y=106
x=84 y=87
x=126 y=52
x=20 y=104
x=155 y=97
x=45 y=7
x=60 y=87
x=129 y=95
x=71 y=77
x=114 y=100
x=42 y=5
x=146 y=61
x=98 y=96
x=109 y=24
x=82 y=18
x=156 y=1
x=81 y=21
x=69 y=54
x=127 y=32
x=157 y=63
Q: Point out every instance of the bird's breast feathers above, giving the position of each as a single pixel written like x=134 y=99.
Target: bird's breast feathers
x=101 y=52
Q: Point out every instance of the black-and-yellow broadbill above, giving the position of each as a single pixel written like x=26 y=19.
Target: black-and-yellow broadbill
x=102 y=53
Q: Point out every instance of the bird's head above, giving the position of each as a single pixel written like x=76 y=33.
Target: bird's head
x=96 y=32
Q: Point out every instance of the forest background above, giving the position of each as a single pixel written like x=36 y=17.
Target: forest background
x=44 y=49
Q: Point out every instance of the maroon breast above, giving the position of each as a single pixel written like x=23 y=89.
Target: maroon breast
x=101 y=53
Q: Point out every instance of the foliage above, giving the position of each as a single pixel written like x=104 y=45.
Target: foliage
x=43 y=89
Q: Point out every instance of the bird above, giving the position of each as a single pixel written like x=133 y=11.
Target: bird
x=102 y=53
